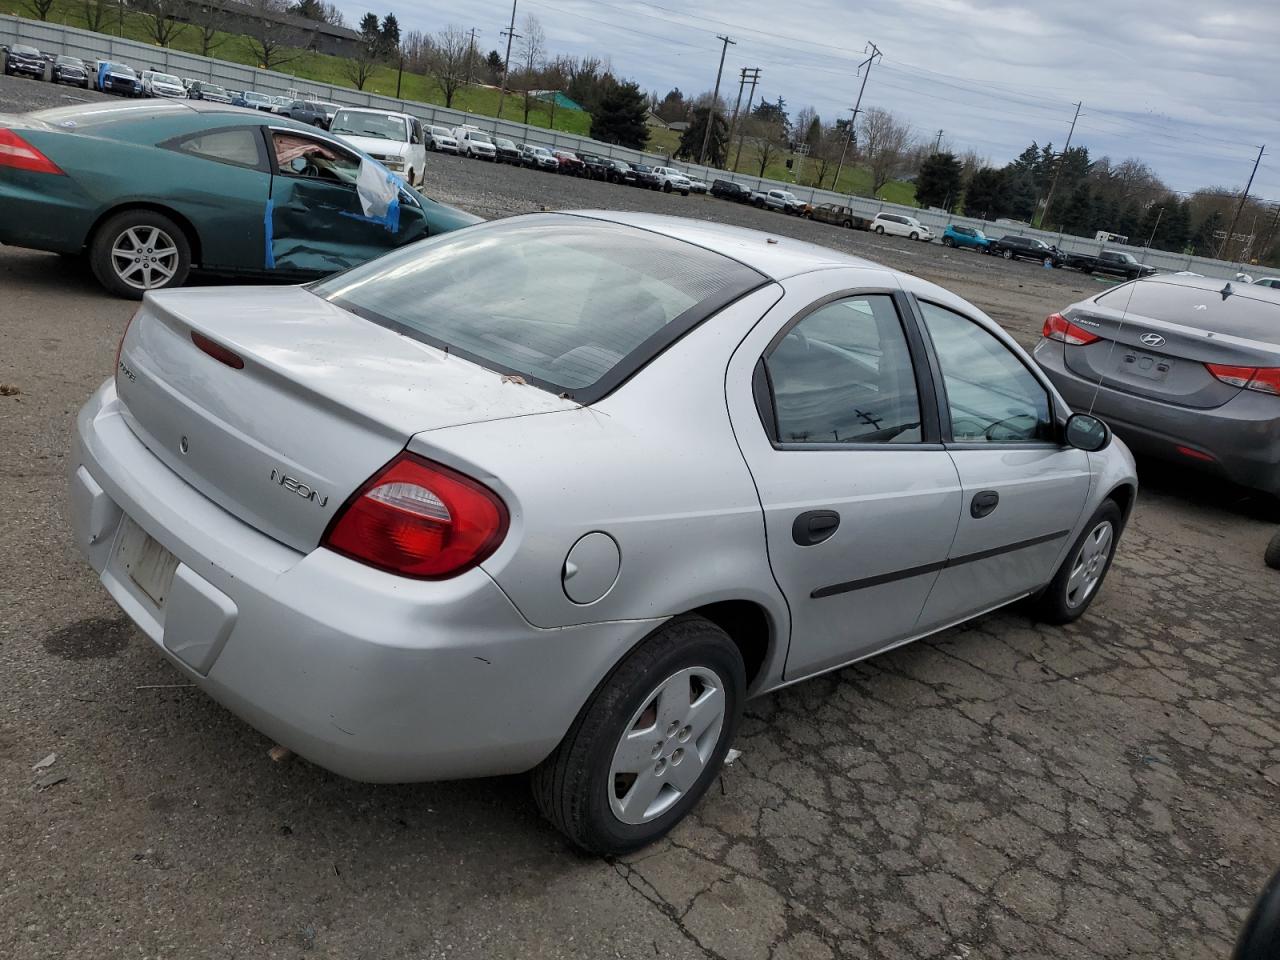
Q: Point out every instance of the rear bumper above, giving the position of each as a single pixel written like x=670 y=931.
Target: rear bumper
x=1241 y=438
x=375 y=677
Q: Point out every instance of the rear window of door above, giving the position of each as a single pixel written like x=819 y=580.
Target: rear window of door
x=241 y=146
x=991 y=396
x=843 y=374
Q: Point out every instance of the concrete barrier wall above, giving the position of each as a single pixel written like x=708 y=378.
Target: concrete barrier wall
x=57 y=38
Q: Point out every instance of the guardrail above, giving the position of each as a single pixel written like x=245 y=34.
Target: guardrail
x=143 y=56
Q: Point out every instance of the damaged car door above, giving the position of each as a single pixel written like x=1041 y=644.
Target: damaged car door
x=316 y=221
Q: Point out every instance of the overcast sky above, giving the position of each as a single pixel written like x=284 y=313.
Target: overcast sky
x=1188 y=86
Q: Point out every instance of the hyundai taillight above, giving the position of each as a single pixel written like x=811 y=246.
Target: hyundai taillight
x=17 y=154
x=1260 y=379
x=419 y=519
x=1058 y=327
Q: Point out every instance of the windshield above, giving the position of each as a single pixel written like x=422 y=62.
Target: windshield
x=166 y=78
x=213 y=88
x=505 y=144
x=384 y=126
x=26 y=51
x=578 y=299
x=123 y=71
x=477 y=137
x=69 y=62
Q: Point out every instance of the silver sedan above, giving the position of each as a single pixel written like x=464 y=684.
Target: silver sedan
x=560 y=492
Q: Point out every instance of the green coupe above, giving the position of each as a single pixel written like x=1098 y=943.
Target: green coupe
x=150 y=190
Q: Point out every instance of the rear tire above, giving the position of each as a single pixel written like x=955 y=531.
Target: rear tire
x=140 y=250
x=880 y=230
x=1077 y=582
x=948 y=242
x=1008 y=254
x=578 y=787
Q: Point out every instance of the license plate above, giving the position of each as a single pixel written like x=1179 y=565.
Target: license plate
x=148 y=564
x=1145 y=365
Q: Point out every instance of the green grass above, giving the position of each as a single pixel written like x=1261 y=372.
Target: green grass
x=317 y=67
x=854 y=179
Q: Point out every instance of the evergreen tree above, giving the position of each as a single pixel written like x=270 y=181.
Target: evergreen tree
x=620 y=116
x=984 y=193
x=493 y=66
x=389 y=35
x=1019 y=192
x=691 y=139
x=673 y=107
x=1129 y=222
x=938 y=182
x=1203 y=241
x=370 y=30
x=1078 y=212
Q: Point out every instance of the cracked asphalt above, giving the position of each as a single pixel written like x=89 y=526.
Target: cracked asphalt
x=1000 y=790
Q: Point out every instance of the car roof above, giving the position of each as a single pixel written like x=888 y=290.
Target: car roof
x=1254 y=291
x=774 y=256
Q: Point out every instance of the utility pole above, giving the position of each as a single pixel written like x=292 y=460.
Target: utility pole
x=737 y=104
x=937 y=144
x=715 y=100
x=742 y=134
x=1053 y=184
x=1226 y=243
x=857 y=107
x=471 y=57
x=510 y=34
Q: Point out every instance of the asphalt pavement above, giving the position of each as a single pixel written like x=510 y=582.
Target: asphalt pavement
x=1001 y=790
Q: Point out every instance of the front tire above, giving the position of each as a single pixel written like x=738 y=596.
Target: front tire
x=1008 y=254
x=914 y=235
x=140 y=250
x=1272 y=556
x=1077 y=582
x=948 y=242
x=880 y=230
x=649 y=741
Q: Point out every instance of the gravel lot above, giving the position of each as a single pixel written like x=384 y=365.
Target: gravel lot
x=1001 y=790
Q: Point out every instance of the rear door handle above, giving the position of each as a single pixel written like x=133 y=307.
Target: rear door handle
x=814 y=526
x=983 y=504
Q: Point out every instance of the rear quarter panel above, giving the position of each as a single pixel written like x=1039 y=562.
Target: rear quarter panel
x=655 y=465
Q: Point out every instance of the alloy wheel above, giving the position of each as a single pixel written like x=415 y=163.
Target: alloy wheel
x=665 y=747
x=1090 y=564
x=145 y=258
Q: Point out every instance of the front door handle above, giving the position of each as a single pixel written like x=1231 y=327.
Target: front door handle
x=814 y=526
x=983 y=504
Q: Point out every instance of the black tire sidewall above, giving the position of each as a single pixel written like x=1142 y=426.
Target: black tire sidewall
x=1052 y=605
x=681 y=643
x=104 y=238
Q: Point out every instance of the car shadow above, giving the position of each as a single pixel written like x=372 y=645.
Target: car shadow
x=1203 y=491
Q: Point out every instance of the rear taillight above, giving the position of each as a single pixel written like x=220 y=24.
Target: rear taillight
x=217 y=351
x=419 y=519
x=120 y=346
x=1260 y=379
x=17 y=154
x=1058 y=327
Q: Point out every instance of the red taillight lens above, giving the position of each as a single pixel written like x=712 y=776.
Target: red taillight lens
x=120 y=346
x=17 y=154
x=419 y=519
x=1259 y=379
x=1058 y=327
x=217 y=351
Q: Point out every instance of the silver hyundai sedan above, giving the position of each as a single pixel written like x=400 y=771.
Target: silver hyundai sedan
x=560 y=492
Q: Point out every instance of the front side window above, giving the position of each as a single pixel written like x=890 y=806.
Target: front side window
x=578 y=298
x=298 y=156
x=239 y=146
x=991 y=395
x=843 y=374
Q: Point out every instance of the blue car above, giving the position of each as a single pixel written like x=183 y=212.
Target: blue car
x=955 y=236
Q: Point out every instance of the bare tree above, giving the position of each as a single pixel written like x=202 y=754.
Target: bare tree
x=208 y=19
x=273 y=40
x=163 y=19
x=448 y=60
x=416 y=48
x=532 y=48
x=884 y=143
x=95 y=14
x=40 y=8
x=767 y=141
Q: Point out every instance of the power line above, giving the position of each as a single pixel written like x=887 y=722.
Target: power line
x=1226 y=243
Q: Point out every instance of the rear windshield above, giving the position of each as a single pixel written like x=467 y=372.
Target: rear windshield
x=570 y=304
x=1247 y=312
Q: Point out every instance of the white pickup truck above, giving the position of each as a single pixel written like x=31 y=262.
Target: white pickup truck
x=669 y=178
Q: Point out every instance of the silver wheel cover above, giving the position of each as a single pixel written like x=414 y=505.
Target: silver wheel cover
x=144 y=257
x=1089 y=564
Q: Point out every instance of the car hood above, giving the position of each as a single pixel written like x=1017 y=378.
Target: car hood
x=376 y=146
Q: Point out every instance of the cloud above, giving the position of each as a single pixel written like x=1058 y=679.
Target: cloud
x=1190 y=90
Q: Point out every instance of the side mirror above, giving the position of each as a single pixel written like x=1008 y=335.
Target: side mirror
x=1088 y=433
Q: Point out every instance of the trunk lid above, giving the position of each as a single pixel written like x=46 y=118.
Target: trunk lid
x=1156 y=338
x=323 y=400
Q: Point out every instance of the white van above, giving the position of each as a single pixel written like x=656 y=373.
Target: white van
x=395 y=140
x=897 y=225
